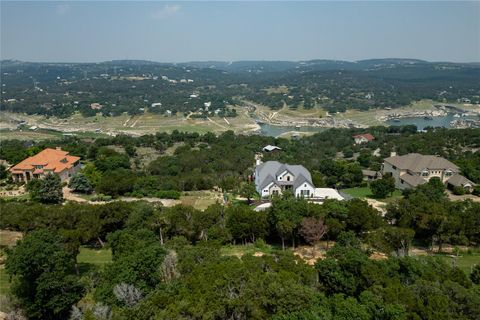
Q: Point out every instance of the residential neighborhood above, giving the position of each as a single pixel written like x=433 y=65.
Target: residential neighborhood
x=240 y=160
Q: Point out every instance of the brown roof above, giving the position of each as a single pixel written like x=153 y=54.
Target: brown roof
x=417 y=162
x=367 y=136
x=55 y=160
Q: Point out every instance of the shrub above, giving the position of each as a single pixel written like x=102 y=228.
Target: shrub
x=168 y=194
x=459 y=191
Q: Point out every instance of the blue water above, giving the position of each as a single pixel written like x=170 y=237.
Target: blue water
x=422 y=123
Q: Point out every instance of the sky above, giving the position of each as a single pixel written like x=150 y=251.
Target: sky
x=83 y=31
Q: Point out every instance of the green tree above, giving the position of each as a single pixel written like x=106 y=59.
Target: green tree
x=117 y=182
x=248 y=191
x=92 y=174
x=382 y=187
x=46 y=190
x=475 y=274
x=3 y=171
x=80 y=183
x=246 y=224
x=43 y=277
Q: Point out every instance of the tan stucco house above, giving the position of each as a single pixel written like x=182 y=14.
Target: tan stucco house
x=414 y=169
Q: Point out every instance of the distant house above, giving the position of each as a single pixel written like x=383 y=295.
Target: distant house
x=271 y=148
x=47 y=161
x=414 y=169
x=96 y=106
x=273 y=178
x=363 y=138
x=370 y=175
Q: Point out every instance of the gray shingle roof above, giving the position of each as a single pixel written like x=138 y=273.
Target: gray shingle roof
x=268 y=171
x=417 y=162
x=413 y=180
x=459 y=181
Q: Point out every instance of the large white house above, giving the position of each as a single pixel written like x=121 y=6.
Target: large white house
x=273 y=178
x=414 y=169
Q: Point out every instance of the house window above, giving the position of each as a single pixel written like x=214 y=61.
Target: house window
x=425 y=173
x=305 y=193
x=288 y=178
x=448 y=173
x=394 y=168
x=275 y=192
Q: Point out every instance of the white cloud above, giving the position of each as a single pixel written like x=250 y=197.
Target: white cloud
x=166 y=11
x=62 y=9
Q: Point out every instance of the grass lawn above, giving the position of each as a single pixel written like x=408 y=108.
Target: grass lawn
x=4 y=282
x=465 y=261
x=93 y=256
x=200 y=200
x=365 y=192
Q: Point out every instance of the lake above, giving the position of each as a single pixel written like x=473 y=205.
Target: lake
x=422 y=123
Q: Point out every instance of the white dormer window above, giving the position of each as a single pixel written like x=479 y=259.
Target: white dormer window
x=288 y=178
x=448 y=172
x=425 y=173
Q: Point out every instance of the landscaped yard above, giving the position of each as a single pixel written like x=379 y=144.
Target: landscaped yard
x=365 y=192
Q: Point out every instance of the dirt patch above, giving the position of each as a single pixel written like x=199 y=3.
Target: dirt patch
x=453 y=197
x=69 y=195
x=380 y=206
x=9 y=238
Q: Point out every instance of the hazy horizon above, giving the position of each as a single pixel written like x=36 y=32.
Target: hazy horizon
x=175 y=32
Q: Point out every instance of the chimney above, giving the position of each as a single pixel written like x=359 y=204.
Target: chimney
x=393 y=154
x=258 y=159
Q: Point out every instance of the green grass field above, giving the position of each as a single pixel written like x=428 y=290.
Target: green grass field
x=464 y=261
x=4 y=282
x=95 y=257
x=365 y=192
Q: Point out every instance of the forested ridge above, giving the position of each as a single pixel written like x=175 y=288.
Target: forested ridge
x=133 y=86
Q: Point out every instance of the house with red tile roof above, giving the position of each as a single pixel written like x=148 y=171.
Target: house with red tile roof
x=47 y=161
x=363 y=138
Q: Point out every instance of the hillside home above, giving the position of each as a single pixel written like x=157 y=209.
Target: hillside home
x=270 y=148
x=363 y=138
x=273 y=178
x=47 y=161
x=414 y=169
